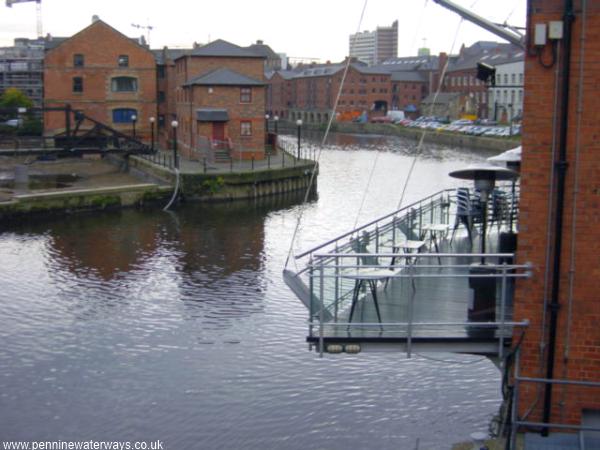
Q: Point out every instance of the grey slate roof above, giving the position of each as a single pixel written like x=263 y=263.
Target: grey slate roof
x=171 y=53
x=441 y=98
x=262 y=50
x=224 y=49
x=415 y=77
x=223 y=77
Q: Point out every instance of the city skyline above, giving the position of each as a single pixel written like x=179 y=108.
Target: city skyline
x=319 y=30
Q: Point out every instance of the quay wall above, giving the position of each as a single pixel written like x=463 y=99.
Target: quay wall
x=223 y=186
x=75 y=200
x=431 y=137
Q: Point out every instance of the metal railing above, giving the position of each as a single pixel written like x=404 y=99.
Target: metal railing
x=516 y=421
x=333 y=291
x=333 y=284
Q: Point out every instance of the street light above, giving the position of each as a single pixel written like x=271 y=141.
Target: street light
x=299 y=124
x=152 y=119
x=267 y=117
x=175 y=124
x=276 y=119
x=133 y=119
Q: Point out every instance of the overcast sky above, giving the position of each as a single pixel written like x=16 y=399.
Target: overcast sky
x=303 y=28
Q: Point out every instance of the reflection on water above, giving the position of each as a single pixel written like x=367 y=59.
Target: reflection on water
x=142 y=325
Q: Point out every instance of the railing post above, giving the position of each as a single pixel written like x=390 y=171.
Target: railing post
x=410 y=310
x=337 y=284
x=514 y=410
x=502 y=311
x=321 y=313
x=311 y=288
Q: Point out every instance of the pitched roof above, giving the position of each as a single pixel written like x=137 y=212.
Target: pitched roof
x=223 y=48
x=170 y=54
x=223 y=77
x=55 y=42
x=262 y=50
x=408 y=76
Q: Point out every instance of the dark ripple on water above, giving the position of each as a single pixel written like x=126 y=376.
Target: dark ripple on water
x=143 y=325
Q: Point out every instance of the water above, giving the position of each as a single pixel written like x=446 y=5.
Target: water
x=177 y=326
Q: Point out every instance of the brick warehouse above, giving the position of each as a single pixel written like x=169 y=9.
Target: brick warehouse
x=560 y=228
x=103 y=73
x=220 y=100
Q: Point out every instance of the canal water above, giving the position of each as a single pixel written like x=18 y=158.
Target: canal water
x=145 y=325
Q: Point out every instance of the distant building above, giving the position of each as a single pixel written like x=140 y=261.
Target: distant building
x=104 y=74
x=273 y=61
x=309 y=92
x=461 y=75
x=506 y=97
x=22 y=67
x=374 y=47
x=445 y=104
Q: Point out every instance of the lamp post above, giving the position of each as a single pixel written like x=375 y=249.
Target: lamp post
x=276 y=119
x=152 y=119
x=174 y=124
x=299 y=125
x=133 y=120
x=267 y=117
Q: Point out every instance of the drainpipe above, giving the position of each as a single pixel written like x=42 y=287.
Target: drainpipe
x=561 y=169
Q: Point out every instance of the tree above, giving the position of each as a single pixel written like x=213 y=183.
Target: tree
x=14 y=98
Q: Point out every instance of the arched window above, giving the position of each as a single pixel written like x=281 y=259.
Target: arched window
x=123 y=115
x=123 y=84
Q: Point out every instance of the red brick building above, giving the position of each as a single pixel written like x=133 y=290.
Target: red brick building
x=559 y=230
x=220 y=97
x=309 y=92
x=104 y=74
x=165 y=77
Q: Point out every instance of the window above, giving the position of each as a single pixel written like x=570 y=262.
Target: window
x=123 y=61
x=77 y=84
x=245 y=128
x=161 y=120
x=160 y=72
x=245 y=95
x=123 y=115
x=161 y=96
x=505 y=78
x=78 y=60
x=513 y=78
x=124 y=84
x=498 y=79
x=521 y=78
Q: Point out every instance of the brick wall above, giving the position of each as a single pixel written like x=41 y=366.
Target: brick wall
x=101 y=47
x=578 y=319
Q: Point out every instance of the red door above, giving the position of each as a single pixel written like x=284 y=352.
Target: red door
x=218 y=131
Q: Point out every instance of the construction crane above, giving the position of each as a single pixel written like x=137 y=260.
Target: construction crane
x=148 y=28
x=38 y=11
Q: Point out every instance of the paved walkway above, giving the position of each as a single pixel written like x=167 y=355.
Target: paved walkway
x=201 y=165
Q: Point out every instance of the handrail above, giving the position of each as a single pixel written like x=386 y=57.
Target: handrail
x=362 y=227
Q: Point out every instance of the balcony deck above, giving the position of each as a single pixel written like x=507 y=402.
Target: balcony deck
x=440 y=299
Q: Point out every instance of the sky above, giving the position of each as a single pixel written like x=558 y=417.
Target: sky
x=311 y=29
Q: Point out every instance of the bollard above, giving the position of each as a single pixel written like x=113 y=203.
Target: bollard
x=204 y=164
x=253 y=163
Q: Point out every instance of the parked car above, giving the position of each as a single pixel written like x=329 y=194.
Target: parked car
x=13 y=122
